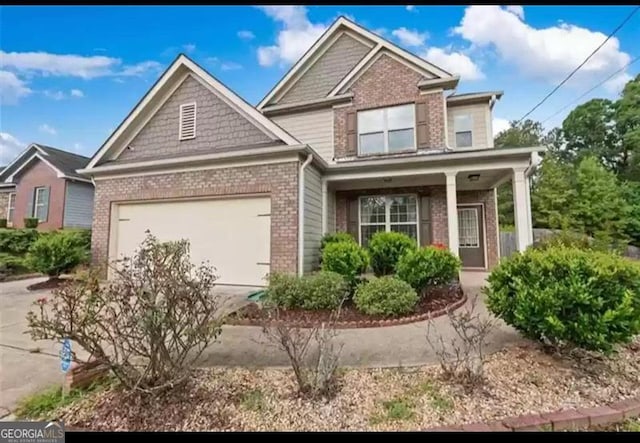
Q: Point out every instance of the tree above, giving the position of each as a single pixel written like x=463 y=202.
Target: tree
x=631 y=194
x=554 y=194
x=628 y=125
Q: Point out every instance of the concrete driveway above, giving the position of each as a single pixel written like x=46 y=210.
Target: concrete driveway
x=26 y=366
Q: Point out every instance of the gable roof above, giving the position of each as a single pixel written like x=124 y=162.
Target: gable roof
x=168 y=82
x=379 y=44
x=63 y=162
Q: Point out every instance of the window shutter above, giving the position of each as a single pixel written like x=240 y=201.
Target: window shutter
x=187 y=121
x=45 y=198
x=425 y=221
x=352 y=218
x=422 y=129
x=30 y=203
x=352 y=132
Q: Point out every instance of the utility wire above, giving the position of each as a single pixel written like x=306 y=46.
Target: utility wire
x=581 y=64
x=592 y=89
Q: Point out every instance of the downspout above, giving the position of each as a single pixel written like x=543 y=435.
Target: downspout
x=303 y=166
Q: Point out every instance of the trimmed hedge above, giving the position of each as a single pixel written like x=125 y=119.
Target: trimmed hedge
x=346 y=258
x=56 y=253
x=31 y=222
x=572 y=296
x=17 y=241
x=429 y=266
x=386 y=248
x=387 y=296
x=322 y=290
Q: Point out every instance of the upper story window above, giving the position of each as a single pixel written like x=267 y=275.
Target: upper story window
x=41 y=204
x=386 y=130
x=11 y=207
x=187 y=121
x=463 y=124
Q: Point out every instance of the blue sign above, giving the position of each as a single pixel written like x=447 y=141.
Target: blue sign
x=65 y=355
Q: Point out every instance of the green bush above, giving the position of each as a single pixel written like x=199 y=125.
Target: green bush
x=56 y=253
x=386 y=248
x=346 y=258
x=324 y=290
x=335 y=238
x=285 y=290
x=429 y=266
x=17 y=241
x=31 y=222
x=82 y=237
x=387 y=296
x=561 y=295
x=3 y=223
x=11 y=264
x=568 y=239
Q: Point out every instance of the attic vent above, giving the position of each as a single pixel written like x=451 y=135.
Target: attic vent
x=187 y=121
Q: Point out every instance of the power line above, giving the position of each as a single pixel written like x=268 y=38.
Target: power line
x=582 y=64
x=592 y=89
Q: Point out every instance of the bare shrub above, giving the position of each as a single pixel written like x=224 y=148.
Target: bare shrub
x=462 y=356
x=149 y=323
x=312 y=352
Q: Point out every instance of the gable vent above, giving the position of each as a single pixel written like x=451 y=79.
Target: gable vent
x=187 y=121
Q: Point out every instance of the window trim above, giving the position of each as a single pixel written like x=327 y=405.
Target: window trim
x=385 y=130
x=455 y=131
x=11 y=210
x=35 y=204
x=475 y=210
x=387 y=214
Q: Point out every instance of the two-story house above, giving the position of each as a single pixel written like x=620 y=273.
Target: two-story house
x=359 y=136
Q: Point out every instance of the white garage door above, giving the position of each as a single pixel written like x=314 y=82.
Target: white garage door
x=233 y=234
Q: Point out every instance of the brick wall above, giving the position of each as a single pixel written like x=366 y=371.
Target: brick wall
x=4 y=203
x=439 y=229
x=388 y=83
x=35 y=175
x=279 y=180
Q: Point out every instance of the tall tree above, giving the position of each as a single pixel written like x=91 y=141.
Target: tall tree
x=554 y=195
x=628 y=125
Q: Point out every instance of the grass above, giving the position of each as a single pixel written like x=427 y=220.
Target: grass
x=43 y=405
x=253 y=400
x=437 y=400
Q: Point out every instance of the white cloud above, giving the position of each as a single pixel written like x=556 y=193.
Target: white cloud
x=411 y=8
x=296 y=36
x=517 y=10
x=410 y=37
x=10 y=147
x=54 y=95
x=223 y=65
x=617 y=83
x=499 y=125
x=454 y=62
x=47 y=129
x=140 y=69
x=12 y=89
x=189 y=48
x=246 y=35
x=76 y=93
x=546 y=54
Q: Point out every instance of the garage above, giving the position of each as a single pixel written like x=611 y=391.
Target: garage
x=233 y=234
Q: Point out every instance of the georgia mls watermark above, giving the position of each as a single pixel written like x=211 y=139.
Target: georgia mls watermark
x=31 y=432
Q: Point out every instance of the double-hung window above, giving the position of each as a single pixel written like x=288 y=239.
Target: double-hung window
x=41 y=204
x=386 y=130
x=11 y=207
x=397 y=213
x=463 y=124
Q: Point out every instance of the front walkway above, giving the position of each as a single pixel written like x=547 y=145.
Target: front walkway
x=390 y=346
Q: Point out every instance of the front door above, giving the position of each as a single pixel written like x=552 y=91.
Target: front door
x=471 y=235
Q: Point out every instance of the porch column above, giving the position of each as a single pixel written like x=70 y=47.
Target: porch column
x=521 y=206
x=452 y=212
x=325 y=209
x=529 y=216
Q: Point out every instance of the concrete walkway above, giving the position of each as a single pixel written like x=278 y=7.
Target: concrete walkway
x=391 y=346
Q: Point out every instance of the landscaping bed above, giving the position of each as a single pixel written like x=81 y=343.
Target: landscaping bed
x=434 y=303
x=519 y=380
x=51 y=283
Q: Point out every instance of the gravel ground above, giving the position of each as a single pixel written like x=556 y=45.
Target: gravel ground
x=519 y=380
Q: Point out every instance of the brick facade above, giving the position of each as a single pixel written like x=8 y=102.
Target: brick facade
x=4 y=203
x=439 y=229
x=279 y=180
x=387 y=83
x=39 y=174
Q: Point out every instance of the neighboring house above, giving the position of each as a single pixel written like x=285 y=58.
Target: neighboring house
x=42 y=182
x=358 y=136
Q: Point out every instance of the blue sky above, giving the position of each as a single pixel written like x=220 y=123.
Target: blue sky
x=69 y=75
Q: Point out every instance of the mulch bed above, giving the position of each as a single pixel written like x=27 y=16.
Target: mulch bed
x=434 y=303
x=52 y=283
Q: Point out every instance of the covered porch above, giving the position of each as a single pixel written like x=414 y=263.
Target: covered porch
x=447 y=199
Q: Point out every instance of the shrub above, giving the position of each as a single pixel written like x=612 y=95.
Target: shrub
x=31 y=222
x=565 y=238
x=335 y=238
x=386 y=248
x=387 y=296
x=3 y=223
x=324 y=290
x=346 y=258
x=82 y=237
x=285 y=290
x=10 y=264
x=150 y=323
x=55 y=253
x=568 y=296
x=17 y=241
x=428 y=266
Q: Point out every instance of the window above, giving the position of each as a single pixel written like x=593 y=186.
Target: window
x=386 y=130
x=41 y=204
x=187 y=121
x=468 y=228
x=11 y=207
x=462 y=125
x=398 y=213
